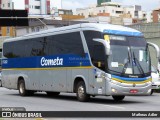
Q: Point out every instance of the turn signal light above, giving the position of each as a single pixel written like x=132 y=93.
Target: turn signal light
x=133 y=91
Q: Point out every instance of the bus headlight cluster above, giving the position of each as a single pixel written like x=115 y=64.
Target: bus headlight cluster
x=114 y=90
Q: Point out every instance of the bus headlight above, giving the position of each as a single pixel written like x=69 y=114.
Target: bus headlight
x=114 y=90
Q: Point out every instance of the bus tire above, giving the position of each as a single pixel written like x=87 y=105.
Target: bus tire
x=22 y=88
x=53 y=93
x=82 y=96
x=118 y=97
x=151 y=92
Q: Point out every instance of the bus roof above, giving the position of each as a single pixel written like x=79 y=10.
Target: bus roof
x=104 y=28
x=114 y=29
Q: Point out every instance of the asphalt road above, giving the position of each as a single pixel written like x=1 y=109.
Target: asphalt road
x=68 y=102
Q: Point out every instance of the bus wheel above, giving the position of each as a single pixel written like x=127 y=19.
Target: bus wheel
x=82 y=96
x=118 y=97
x=53 y=93
x=151 y=92
x=22 y=88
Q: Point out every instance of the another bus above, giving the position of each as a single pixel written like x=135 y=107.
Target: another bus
x=88 y=59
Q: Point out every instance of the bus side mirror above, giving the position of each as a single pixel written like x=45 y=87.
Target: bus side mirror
x=105 y=43
x=156 y=48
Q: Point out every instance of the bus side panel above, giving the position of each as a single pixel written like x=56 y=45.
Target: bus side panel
x=96 y=83
x=32 y=79
x=91 y=81
x=82 y=73
x=9 y=79
x=69 y=81
x=53 y=80
x=46 y=80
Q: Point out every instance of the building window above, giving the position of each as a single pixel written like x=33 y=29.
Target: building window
x=32 y=29
x=136 y=13
x=119 y=12
x=9 y=5
x=37 y=7
x=144 y=15
x=8 y=30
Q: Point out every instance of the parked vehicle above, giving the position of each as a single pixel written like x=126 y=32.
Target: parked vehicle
x=155 y=79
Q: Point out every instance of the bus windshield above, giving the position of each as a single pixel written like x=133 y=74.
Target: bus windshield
x=129 y=56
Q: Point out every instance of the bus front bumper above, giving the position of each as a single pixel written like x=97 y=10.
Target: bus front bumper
x=130 y=89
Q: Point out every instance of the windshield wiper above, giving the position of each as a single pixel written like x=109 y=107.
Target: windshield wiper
x=138 y=64
x=126 y=64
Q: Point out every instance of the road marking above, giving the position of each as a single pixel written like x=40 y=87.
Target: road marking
x=114 y=106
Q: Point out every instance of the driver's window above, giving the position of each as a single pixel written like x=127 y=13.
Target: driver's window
x=96 y=49
x=98 y=58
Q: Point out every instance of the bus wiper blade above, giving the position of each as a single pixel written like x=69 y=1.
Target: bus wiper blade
x=126 y=64
x=114 y=71
x=138 y=64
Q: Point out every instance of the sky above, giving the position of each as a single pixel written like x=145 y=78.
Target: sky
x=147 y=5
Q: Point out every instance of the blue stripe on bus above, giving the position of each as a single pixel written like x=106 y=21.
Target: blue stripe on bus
x=127 y=33
x=53 y=61
x=129 y=79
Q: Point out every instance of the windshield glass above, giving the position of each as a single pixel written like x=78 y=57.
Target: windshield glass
x=129 y=56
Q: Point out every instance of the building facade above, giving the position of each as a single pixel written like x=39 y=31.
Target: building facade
x=6 y=4
x=37 y=7
x=7 y=31
x=115 y=11
x=156 y=15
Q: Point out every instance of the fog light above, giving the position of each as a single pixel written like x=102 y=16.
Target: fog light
x=149 y=91
x=114 y=90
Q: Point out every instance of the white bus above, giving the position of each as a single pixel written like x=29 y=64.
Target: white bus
x=88 y=59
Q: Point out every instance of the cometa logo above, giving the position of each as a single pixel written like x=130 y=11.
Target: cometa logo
x=51 y=62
